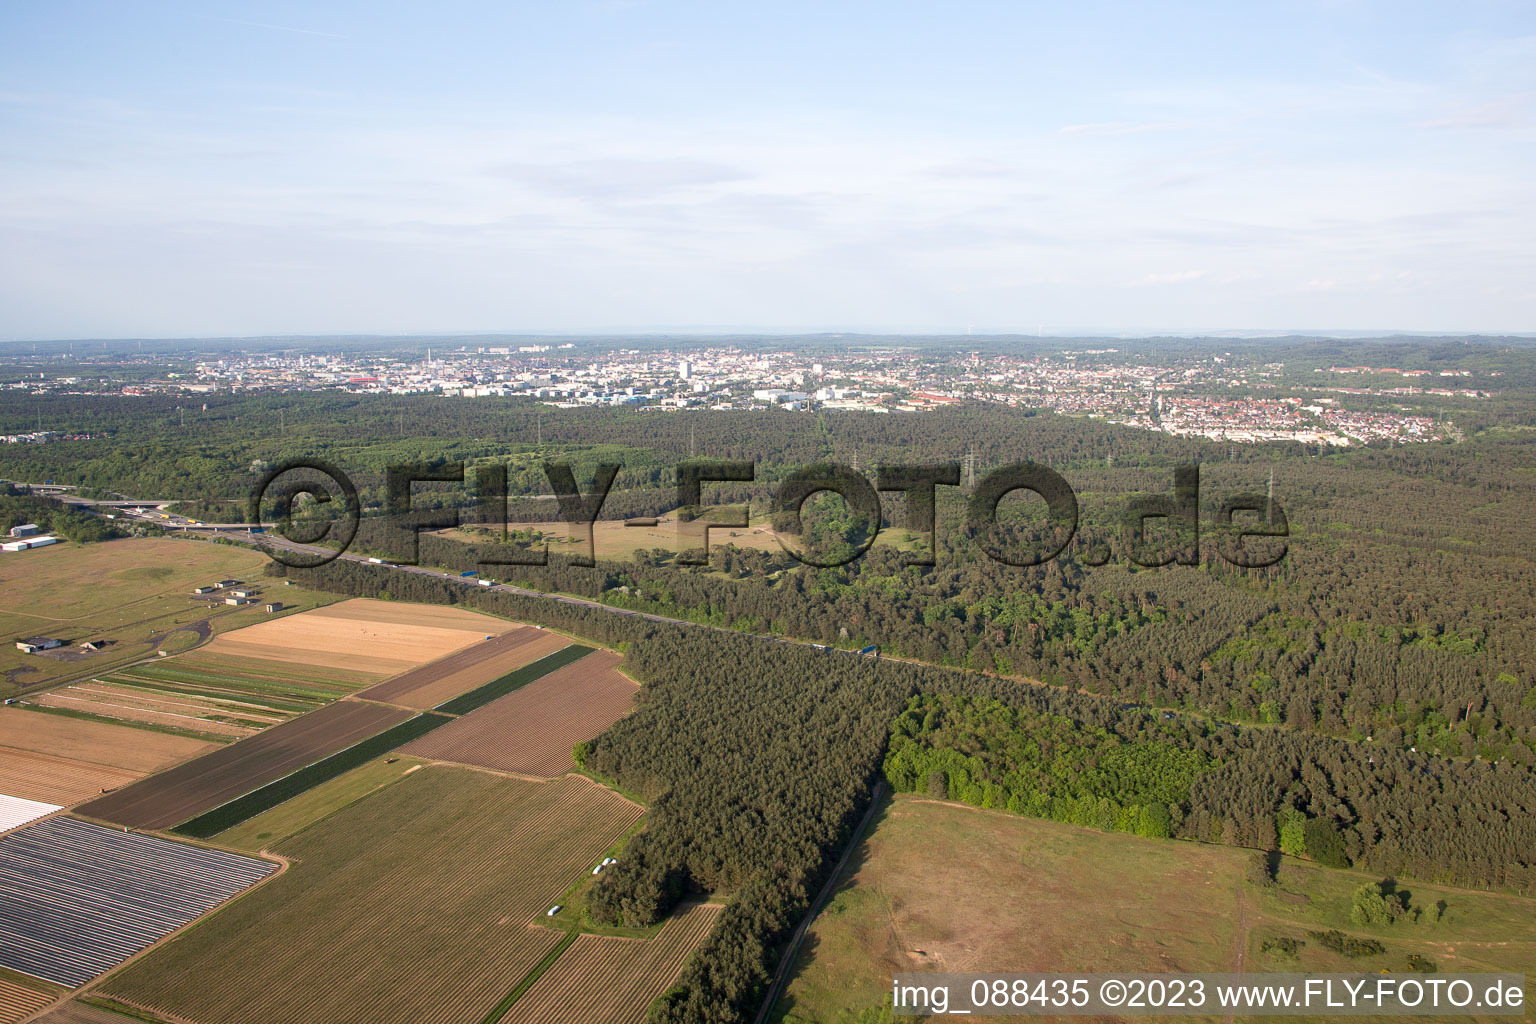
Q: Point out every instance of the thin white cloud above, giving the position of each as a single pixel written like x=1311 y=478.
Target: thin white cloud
x=279 y=28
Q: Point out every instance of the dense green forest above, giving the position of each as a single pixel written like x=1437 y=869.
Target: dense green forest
x=1402 y=612
x=18 y=506
x=758 y=757
x=990 y=754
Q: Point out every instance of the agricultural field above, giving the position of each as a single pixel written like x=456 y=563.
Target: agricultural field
x=15 y=812
x=62 y=760
x=446 y=678
x=133 y=596
x=18 y=1002
x=127 y=699
x=228 y=772
x=381 y=638
x=606 y=979
x=75 y=1012
x=949 y=888
x=422 y=903
x=531 y=730
x=292 y=816
x=78 y=899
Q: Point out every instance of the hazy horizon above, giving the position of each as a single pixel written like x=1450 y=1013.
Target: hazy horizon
x=178 y=170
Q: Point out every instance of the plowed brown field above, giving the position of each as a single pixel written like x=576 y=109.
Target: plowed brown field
x=378 y=637
x=530 y=731
x=603 y=979
x=431 y=684
x=420 y=904
x=62 y=760
x=56 y=780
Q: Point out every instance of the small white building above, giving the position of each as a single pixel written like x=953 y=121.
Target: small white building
x=25 y=530
x=29 y=542
x=237 y=601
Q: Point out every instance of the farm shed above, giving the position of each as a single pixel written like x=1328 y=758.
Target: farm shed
x=33 y=644
x=29 y=542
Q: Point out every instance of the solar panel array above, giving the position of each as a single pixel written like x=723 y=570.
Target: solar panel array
x=78 y=899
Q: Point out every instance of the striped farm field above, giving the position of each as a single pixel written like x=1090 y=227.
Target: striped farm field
x=216 y=716
x=202 y=666
x=18 y=1002
x=56 y=780
x=78 y=899
x=199 y=786
x=531 y=730
x=378 y=637
x=441 y=680
x=60 y=760
x=605 y=979
x=15 y=812
x=421 y=904
x=74 y=1012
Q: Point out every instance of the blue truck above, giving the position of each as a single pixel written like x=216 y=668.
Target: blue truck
x=872 y=649
x=470 y=573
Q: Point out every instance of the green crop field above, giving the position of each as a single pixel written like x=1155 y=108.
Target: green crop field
x=942 y=887
x=286 y=819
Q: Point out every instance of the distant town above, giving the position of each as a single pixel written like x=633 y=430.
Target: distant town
x=1209 y=396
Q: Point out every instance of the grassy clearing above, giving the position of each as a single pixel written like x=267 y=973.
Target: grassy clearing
x=134 y=594
x=295 y=815
x=941 y=887
x=614 y=541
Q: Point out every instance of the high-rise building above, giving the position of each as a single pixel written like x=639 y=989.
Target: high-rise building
x=685 y=369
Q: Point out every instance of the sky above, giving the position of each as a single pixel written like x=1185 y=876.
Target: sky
x=242 y=169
